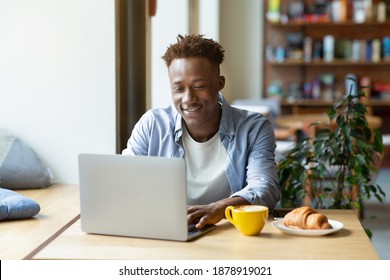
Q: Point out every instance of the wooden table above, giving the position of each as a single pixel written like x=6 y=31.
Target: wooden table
x=302 y=121
x=60 y=207
x=225 y=242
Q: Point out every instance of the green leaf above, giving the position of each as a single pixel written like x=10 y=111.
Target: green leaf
x=331 y=114
x=340 y=120
x=361 y=159
x=360 y=108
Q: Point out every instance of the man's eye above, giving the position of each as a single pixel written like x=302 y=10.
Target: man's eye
x=199 y=86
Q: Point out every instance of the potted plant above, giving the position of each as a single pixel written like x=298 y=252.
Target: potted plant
x=333 y=168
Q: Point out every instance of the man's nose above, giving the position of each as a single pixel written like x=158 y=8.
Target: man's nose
x=188 y=95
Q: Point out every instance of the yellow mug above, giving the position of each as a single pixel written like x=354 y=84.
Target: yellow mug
x=248 y=219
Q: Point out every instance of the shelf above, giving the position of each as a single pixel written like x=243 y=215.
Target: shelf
x=307 y=102
x=329 y=24
x=294 y=77
x=335 y=62
x=321 y=103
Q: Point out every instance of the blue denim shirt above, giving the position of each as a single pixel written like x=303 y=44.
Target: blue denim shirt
x=247 y=136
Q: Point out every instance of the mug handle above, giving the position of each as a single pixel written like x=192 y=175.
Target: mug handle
x=228 y=214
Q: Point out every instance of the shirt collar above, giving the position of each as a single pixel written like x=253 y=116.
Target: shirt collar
x=178 y=125
x=226 y=125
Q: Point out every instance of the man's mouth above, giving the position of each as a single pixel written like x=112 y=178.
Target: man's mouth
x=192 y=109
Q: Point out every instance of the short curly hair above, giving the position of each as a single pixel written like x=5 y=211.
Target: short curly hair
x=194 y=46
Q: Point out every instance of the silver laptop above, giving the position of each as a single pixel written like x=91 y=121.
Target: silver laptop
x=135 y=196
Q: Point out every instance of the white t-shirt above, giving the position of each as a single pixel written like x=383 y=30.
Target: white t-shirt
x=205 y=163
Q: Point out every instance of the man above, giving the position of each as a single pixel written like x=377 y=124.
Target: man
x=229 y=152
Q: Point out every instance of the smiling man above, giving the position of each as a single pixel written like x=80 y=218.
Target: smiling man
x=229 y=152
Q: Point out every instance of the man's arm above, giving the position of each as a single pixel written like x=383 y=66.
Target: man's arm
x=261 y=177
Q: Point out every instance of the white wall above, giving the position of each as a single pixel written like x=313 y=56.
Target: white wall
x=209 y=18
x=57 y=78
x=241 y=36
x=171 y=19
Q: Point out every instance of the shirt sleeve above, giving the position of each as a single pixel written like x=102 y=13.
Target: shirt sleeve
x=138 y=143
x=261 y=179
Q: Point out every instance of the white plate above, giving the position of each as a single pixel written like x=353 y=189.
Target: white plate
x=308 y=232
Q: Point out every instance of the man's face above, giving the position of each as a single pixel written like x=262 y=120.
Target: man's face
x=195 y=84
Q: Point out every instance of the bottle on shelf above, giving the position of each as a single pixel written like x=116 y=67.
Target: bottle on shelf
x=359 y=11
x=381 y=12
x=339 y=10
x=376 y=50
x=316 y=89
x=386 y=48
x=355 y=50
x=350 y=84
x=307 y=49
x=328 y=48
x=273 y=14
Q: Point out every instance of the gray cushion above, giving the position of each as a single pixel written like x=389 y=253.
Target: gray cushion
x=16 y=206
x=20 y=166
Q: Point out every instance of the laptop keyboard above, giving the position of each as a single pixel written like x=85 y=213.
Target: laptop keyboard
x=193 y=231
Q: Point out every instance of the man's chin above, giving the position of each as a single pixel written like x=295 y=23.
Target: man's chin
x=192 y=122
x=191 y=116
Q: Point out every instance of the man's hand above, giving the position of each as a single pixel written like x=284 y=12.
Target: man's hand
x=210 y=214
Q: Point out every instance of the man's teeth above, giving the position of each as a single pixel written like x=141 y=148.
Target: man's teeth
x=192 y=109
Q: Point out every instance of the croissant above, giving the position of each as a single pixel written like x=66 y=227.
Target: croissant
x=306 y=218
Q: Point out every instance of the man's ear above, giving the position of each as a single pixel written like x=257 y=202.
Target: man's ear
x=221 y=82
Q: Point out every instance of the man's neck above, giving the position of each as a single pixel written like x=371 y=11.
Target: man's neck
x=205 y=132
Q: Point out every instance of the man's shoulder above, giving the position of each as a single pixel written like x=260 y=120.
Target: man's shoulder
x=243 y=115
x=160 y=117
x=157 y=113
